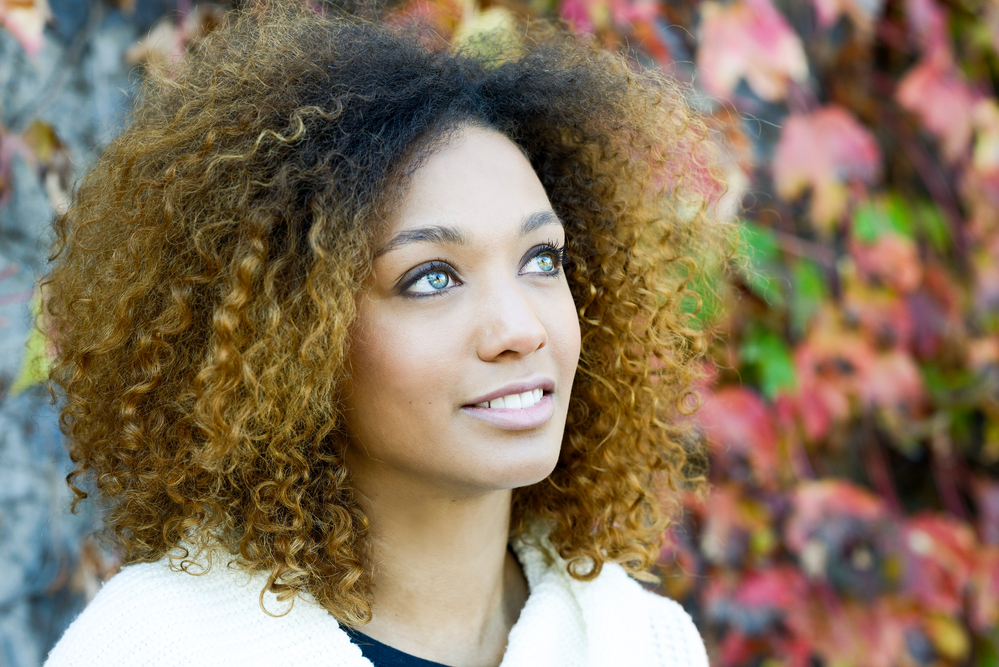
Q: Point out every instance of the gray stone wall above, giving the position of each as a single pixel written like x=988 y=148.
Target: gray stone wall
x=78 y=86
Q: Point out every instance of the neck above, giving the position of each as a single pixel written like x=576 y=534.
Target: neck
x=446 y=587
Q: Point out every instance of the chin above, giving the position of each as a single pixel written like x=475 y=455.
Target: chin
x=525 y=471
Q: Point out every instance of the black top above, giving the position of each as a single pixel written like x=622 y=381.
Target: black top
x=383 y=655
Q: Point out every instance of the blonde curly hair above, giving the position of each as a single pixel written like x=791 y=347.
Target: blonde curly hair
x=203 y=285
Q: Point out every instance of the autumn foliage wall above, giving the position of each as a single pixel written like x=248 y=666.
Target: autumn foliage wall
x=852 y=410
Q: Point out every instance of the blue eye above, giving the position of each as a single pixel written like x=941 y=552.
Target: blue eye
x=547 y=261
x=435 y=280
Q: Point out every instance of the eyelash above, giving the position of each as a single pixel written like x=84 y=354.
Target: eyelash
x=560 y=252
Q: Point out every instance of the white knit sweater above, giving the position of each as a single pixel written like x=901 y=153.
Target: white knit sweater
x=150 y=615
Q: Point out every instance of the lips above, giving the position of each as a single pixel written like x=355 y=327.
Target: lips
x=492 y=408
x=546 y=384
x=515 y=419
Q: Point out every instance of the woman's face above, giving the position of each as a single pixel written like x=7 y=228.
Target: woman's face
x=466 y=342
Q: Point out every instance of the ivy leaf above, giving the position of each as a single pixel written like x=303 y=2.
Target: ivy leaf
x=891 y=259
x=874 y=219
x=944 y=103
x=809 y=293
x=941 y=556
x=822 y=151
x=931 y=224
x=740 y=427
x=768 y=352
x=927 y=24
x=861 y=12
x=35 y=366
x=761 y=252
x=748 y=39
x=819 y=502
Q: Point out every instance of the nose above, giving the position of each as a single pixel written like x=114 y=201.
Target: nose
x=510 y=326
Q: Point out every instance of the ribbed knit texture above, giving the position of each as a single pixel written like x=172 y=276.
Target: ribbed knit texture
x=150 y=615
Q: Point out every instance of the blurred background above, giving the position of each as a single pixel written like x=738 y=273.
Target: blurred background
x=851 y=406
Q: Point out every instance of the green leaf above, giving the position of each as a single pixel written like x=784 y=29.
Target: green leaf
x=701 y=296
x=760 y=251
x=987 y=650
x=932 y=226
x=768 y=353
x=809 y=292
x=944 y=382
x=873 y=220
x=899 y=215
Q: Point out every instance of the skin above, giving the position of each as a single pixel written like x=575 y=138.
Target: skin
x=435 y=480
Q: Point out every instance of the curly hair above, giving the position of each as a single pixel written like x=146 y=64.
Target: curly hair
x=204 y=279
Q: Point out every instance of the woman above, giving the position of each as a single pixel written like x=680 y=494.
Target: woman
x=373 y=351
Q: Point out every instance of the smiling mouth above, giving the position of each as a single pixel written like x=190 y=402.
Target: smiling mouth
x=520 y=401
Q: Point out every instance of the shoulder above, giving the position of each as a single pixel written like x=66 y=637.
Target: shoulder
x=678 y=639
x=674 y=638
x=610 y=619
x=152 y=614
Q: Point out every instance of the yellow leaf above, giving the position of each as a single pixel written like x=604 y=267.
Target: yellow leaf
x=35 y=367
x=949 y=638
x=42 y=140
x=490 y=33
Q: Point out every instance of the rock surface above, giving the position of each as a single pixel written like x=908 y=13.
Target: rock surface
x=78 y=85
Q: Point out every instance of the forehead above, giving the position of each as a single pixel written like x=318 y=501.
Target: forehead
x=479 y=181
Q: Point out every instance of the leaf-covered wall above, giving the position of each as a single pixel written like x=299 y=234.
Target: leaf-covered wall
x=852 y=405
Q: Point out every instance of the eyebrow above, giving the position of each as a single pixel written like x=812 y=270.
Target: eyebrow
x=442 y=235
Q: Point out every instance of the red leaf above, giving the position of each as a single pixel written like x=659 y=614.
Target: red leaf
x=820 y=501
x=823 y=151
x=737 y=421
x=861 y=12
x=830 y=365
x=577 y=15
x=936 y=312
x=894 y=382
x=755 y=601
x=940 y=558
x=729 y=519
x=748 y=39
x=778 y=588
x=884 y=315
x=937 y=92
x=986 y=494
x=928 y=25
x=850 y=633
x=891 y=260
x=986 y=263
x=984 y=612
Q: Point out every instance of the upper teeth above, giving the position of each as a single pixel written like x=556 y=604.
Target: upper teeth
x=514 y=401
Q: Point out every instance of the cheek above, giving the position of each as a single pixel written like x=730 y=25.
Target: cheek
x=397 y=375
x=564 y=334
